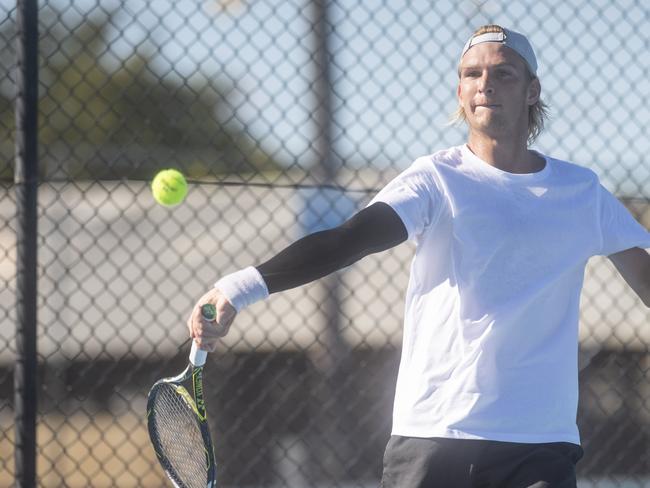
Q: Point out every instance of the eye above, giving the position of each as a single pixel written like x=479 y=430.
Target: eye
x=504 y=73
x=471 y=73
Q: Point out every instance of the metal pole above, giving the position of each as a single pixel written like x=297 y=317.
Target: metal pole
x=333 y=346
x=322 y=89
x=329 y=356
x=26 y=184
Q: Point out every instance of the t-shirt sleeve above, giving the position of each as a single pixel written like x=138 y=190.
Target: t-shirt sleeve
x=415 y=197
x=619 y=229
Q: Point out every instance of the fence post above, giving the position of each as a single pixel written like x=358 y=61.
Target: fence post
x=326 y=170
x=26 y=184
x=329 y=355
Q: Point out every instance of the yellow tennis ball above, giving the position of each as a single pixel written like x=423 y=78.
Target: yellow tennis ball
x=169 y=187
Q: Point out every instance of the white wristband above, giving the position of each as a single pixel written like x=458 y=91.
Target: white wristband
x=243 y=288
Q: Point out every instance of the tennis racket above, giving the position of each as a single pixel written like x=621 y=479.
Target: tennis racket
x=177 y=423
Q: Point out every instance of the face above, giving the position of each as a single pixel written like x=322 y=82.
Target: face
x=495 y=90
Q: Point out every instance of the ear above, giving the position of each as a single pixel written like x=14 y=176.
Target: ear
x=534 y=91
x=458 y=92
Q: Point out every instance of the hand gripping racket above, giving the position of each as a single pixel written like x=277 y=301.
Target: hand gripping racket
x=178 y=426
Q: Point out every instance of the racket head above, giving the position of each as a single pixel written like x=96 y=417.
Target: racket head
x=179 y=431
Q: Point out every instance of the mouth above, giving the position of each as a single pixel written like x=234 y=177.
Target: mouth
x=488 y=105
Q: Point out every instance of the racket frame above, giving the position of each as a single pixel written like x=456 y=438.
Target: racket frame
x=196 y=401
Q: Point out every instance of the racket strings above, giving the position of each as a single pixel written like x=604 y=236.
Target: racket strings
x=177 y=438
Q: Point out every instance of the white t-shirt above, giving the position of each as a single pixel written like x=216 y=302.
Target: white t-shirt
x=491 y=321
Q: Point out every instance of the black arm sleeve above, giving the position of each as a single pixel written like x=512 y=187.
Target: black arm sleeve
x=374 y=229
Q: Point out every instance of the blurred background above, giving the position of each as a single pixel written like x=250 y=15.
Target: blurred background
x=255 y=101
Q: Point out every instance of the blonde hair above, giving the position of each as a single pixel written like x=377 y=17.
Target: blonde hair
x=538 y=113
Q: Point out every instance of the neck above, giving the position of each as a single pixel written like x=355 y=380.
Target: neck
x=509 y=154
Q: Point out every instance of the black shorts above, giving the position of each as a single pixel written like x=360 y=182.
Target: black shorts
x=411 y=462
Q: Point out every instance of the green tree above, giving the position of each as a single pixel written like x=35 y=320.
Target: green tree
x=98 y=123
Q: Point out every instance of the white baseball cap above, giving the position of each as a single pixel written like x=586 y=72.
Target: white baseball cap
x=514 y=40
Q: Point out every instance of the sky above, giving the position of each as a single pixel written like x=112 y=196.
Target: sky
x=393 y=72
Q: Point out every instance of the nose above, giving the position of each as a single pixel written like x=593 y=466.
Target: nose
x=485 y=83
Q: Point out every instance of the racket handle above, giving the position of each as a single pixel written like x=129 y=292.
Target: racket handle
x=197 y=356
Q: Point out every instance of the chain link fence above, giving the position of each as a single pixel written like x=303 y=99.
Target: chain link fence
x=259 y=102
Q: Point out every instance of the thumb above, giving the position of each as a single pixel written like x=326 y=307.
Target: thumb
x=225 y=312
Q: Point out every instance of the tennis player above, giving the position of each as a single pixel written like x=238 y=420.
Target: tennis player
x=487 y=390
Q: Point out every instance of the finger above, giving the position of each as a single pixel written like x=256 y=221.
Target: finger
x=206 y=345
x=223 y=331
x=190 y=324
x=194 y=322
x=215 y=329
x=225 y=320
x=210 y=329
x=225 y=313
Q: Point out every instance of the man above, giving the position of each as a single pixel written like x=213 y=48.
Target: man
x=487 y=388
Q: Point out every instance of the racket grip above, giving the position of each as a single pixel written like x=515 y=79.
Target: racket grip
x=197 y=356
